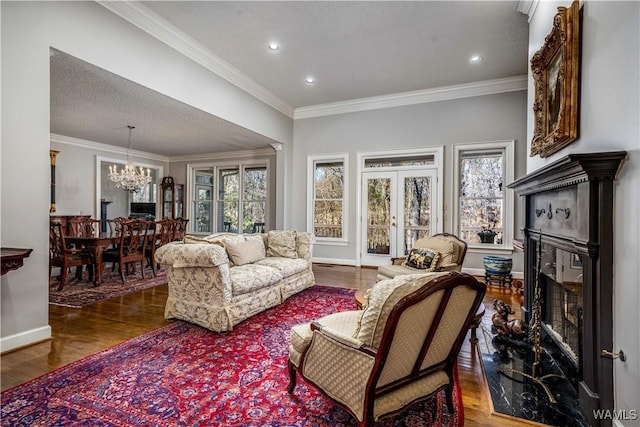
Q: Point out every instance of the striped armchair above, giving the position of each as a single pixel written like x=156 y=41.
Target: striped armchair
x=400 y=349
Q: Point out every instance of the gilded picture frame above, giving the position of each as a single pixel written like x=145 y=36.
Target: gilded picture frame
x=556 y=73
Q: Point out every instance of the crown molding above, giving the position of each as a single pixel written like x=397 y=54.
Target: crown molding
x=153 y=24
x=92 y=145
x=468 y=90
x=261 y=152
x=528 y=7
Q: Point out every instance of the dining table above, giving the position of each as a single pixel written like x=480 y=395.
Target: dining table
x=96 y=245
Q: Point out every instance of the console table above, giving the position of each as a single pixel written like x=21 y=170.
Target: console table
x=13 y=258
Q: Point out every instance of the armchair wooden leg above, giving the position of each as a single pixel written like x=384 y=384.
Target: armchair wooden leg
x=292 y=378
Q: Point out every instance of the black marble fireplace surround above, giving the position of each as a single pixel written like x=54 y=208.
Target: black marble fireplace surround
x=568 y=209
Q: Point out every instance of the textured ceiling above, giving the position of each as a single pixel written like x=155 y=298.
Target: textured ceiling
x=354 y=50
x=93 y=104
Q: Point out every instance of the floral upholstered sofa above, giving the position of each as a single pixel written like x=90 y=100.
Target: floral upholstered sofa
x=220 y=280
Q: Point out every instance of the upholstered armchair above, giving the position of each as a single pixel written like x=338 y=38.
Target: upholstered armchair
x=446 y=250
x=400 y=349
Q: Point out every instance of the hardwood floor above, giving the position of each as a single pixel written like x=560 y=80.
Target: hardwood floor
x=78 y=333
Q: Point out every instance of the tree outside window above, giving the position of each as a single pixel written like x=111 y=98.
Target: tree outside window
x=481 y=197
x=328 y=199
x=483 y=204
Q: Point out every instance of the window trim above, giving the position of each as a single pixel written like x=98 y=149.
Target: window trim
x=311 y=168
x=508 y=214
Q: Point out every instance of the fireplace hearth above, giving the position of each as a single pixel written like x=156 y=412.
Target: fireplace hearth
x=568 y=216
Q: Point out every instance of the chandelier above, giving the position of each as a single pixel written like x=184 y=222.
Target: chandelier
x=129 y=178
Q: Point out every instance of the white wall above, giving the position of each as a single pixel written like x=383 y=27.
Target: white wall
x=76 y=178
x=444 y=123
x=89 y=32
x=609 y=118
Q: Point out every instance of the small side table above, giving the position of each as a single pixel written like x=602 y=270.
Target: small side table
x=477 y=319
x=13 y=258
x=360 y=298
x=502 y=279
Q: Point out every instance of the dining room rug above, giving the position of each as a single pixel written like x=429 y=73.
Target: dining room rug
x=80 y=293
x=184 y=375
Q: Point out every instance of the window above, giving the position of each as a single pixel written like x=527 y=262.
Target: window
x=327 y=185
x=242 y=199
x=230 y=198
x=484 y=206
x=203 y=202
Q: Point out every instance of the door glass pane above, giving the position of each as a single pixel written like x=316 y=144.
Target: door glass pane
x=203 y=209
x=427 y=159
x=417 y=210
x=228 y=192
x=378 y=215
x=254 y=199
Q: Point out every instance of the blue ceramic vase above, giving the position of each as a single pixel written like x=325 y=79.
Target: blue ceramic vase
x=497 y=264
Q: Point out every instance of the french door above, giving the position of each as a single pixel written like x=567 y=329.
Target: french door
x=398 y=208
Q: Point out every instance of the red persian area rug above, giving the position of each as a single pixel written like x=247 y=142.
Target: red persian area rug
x=76 y=294
x=184 y=375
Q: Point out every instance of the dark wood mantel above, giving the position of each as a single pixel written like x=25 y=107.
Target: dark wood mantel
x=13 y=258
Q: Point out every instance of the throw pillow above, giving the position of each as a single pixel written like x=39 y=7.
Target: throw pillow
x=282 y=243
x=422 y=259
x=245 y=252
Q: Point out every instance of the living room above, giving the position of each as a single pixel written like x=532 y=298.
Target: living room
x=97 y=35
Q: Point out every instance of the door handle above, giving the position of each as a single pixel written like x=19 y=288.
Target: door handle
x=619 y=355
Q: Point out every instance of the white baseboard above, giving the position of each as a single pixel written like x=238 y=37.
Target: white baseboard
x=25 y=338
x=480 y=272
x=337 y=261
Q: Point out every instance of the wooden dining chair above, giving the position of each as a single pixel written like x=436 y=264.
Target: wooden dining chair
x=131 y=248
x=84 y=227
x=164 y=231
x=181 y=228
x=63 y=256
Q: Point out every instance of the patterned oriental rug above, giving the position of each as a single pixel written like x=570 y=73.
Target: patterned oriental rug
x=184 y=375
x=76 y=294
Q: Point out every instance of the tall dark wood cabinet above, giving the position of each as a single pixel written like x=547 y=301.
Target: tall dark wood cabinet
x=172 y=198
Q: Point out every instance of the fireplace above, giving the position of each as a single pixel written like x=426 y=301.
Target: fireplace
x=568 y=217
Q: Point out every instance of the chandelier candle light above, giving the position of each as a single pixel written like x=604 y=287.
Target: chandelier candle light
x=129 y=178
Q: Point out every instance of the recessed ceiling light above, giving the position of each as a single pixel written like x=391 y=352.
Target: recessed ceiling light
x=309 y=80
x=475 y=59
x=274 y=46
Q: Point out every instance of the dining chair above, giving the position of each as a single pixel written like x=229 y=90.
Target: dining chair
x=164 y=230
x=131 y=248
x=63 y=256
x=84 y=227
x=181 y=228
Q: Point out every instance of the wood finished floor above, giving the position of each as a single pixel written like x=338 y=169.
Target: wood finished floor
x=78 y=333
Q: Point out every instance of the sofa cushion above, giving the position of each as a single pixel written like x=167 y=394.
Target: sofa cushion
x=287 y=266
x=251 y=277
x=245 y=252
x=281 y=243
x=343 y=322
x=383 y=296
x=190 y=240
x=394 y=270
